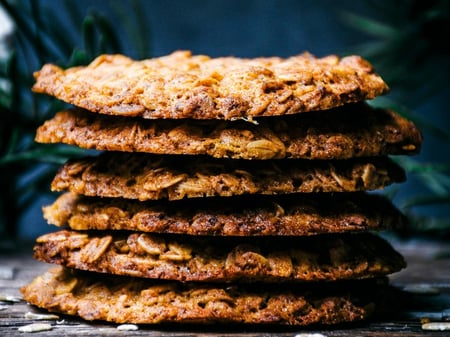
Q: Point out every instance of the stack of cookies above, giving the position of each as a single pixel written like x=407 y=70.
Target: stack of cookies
x=227 y=190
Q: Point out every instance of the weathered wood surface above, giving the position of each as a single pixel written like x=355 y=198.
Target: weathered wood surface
x=428 y=272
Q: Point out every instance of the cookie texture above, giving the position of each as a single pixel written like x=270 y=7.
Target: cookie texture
x=301 y=215
x=182 y=85
x=151 y=177
x=133 y=300
x=221 y=259
x=354 y=130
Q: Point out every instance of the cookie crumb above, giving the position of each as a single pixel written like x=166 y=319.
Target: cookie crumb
x=35 y=327
x=436 y=326
x=32 y=315
x=127 y=327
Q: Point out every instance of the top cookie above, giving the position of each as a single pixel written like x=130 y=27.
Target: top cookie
x=181 y=85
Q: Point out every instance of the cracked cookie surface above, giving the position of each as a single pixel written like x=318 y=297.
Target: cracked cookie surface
x=222 y=259
x=151 y=177
x=301 y=215
x=355 y=130
x=133 y=300
x=182 y=85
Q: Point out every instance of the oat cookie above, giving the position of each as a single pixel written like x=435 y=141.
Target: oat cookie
x=181 y=85
x=221 y=259
x=354 y=130
x=150 y=177
x=140 y=301
x=302 y=215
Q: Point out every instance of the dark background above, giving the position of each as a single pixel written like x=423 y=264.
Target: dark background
x=414 y=63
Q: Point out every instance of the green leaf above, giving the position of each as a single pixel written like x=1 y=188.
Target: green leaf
x=428 y=224
x=88 y=34
x=438 y=183
x=370 y=26
x=425 y=200
x=53 y=155
x=78 y=57
x=136 y=26
x=110 y=41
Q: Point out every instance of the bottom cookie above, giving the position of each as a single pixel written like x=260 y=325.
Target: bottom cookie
x=133 y=300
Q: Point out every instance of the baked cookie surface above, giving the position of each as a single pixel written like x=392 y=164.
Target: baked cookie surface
x=301 y=215
x=151 y=177
x=354 y=130
x=182 y=85
x=222 y=259
x=132 y=300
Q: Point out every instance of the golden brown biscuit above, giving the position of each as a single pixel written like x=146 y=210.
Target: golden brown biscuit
x=141 y=301
x=355 y=130
x=222 y=259
x=150 y=177
x=239 y=216
x=181 y=85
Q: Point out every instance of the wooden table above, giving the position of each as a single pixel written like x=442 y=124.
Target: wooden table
x=427 y=279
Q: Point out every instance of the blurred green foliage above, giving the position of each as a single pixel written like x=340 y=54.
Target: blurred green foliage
x=46 y=34
x=408 y=43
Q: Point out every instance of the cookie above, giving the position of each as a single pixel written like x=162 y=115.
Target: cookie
x=181 y=85
x=151 y=177
x=140 y=301
x=302 y=215
x=221 y=259
x=355 y=130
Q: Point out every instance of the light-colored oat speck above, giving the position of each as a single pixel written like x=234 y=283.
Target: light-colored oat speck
x=309 y=335
x=421 y=289
x=9 y=298
x=127 y=327
x=436 y=326
x=3 y=307
x=35 y=327
x=31 y=315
